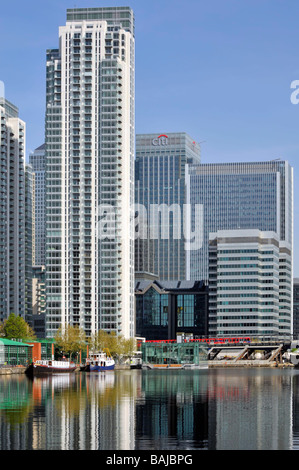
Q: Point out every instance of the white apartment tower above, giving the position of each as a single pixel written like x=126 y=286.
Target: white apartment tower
x=90 y=173
x=12 y=211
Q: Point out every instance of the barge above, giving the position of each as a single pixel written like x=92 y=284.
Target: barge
x=42 y=368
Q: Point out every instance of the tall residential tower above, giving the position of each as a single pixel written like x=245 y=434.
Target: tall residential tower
x=12 y=211
x=90 y=173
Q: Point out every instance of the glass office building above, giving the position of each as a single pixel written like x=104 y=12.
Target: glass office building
x=89 y=150
x=160 y=180
x=165 y=309
x=238 y=196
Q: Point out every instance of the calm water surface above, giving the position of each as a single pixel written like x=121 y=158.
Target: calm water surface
x=215 y=409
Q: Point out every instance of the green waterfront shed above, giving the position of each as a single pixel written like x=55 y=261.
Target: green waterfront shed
x=14 y=353
x=174 y=353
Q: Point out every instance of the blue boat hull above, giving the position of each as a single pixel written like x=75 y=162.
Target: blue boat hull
x=93 y=368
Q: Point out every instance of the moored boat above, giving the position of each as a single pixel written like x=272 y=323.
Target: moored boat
x=98 y=362
x=294 y=358
x=39 y=368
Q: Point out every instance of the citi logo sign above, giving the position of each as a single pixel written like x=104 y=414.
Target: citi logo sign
x=161 y=140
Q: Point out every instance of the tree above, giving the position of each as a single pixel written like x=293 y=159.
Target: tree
x=129 y=347
x=71 y=339
x=118 y=346
x=15 y=327
x=98 y=341
x=114 y=344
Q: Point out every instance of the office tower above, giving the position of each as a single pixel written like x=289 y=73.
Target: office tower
x=249 y=285
x=238 y=196
x=160 y=180
x=12 y=211
x=244 y=196
x=37 y=162
x=90 y=173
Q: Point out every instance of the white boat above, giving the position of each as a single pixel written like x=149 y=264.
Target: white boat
x=98 y=362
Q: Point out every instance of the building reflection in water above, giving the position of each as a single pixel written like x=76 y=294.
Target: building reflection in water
x=173 y=411
x=89 y=411
x=250 y=409
x=15 y=408
x=156 y=410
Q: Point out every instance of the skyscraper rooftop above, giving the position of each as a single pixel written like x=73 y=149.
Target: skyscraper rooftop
x=113 y=15
x=10 y=109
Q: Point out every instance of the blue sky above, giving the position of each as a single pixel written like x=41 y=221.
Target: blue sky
x=220 y=70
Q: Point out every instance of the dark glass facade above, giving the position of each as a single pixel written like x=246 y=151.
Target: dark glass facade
x=165 y=309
